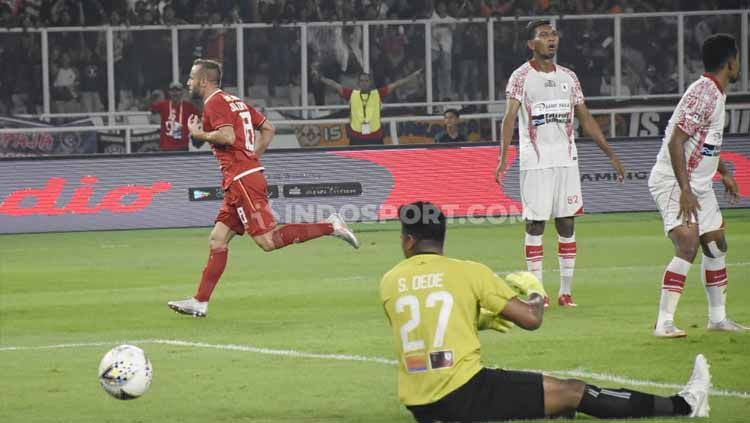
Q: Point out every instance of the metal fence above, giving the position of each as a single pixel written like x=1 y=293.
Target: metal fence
x=116 y=71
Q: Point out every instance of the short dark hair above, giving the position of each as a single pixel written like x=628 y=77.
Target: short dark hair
x=454 y=111
x=422 y=220
x=213 y=66
x=717 y=50
x=533 y=25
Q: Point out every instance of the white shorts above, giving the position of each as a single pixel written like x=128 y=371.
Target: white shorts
x=666 y=193
x=551 y=192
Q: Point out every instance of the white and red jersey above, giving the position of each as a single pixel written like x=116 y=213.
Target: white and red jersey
x=237 y=159
x=545 y=121
x=700 y=114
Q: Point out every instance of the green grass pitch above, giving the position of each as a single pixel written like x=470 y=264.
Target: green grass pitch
x=106 y=288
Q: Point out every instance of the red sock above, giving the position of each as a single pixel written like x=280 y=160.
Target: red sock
x=300 y=232
x=217 y=261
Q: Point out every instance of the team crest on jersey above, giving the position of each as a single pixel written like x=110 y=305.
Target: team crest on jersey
x=564 y=86
x=441 y=359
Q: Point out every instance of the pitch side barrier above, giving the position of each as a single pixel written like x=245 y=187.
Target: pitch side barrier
x=139 y=191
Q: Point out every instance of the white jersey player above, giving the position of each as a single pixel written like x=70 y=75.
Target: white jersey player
x=546 y=97
x=681 y=183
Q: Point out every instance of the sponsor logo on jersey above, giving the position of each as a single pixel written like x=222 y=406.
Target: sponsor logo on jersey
x=550 y=83
x=545 y=112
x=415 y=363
x=709 y=150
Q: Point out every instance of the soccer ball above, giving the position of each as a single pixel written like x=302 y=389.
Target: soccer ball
x=125 y=372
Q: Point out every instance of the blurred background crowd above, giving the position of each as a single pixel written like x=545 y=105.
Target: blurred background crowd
x=272 y=70
x=172 y=12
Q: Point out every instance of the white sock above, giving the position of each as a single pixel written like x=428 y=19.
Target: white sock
x=566 y=252
x=534 y=254
x=672 y=285
x=714 y=276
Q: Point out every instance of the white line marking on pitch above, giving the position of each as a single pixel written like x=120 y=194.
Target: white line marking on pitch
x=617 y=268
x=361 y=358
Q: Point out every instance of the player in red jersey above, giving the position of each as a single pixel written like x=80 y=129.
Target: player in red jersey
x=229 y=124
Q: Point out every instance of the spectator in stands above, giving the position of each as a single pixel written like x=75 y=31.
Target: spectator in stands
x=169 y=17
x=92 y=12
x=173 y=115
x=65 y=86
x=414 y=90
x=364 y=107
x=6 y=80
x=375 y=9
x=453 y=131
x=93 y=81
x=470 y=55
x=442 y=52
x=496 y=7
x=6 y=16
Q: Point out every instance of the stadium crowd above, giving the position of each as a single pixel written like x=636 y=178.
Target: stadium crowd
x=172 y=12
x=78 y=59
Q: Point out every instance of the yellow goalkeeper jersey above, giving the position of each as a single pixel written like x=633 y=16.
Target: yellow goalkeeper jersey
x=432 y=303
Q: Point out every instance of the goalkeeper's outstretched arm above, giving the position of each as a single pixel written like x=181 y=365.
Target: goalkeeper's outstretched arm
x=525 y=314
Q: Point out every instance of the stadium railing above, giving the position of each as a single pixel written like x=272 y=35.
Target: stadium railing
x=614 y=45
x=289 y=136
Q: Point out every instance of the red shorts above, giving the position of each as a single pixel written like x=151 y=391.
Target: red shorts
x=246 y=207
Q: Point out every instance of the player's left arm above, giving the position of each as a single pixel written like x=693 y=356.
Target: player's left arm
x=730 y=184
x=222 y=136
x=267 y=131
x=591 y=128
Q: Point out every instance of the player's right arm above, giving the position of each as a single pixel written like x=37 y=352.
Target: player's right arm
x=222 y=136
x=688 y=203
x=526 y=314
x=496 y=297
x=511 y=113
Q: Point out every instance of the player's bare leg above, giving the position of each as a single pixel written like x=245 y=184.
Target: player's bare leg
x=534 y=249
x=285 y=235
x=565 y=397
x=566 y=253
x=714 y=277
x=685 y=239
x=218 y=243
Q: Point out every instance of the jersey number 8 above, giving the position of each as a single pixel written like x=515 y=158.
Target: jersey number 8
x=412 y=302
x=247 y=125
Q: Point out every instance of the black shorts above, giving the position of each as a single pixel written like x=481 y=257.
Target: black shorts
x=491 y=395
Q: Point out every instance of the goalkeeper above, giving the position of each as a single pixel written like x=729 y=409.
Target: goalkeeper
x=435 y=305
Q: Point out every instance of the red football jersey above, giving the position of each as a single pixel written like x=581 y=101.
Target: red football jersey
x=237 y=159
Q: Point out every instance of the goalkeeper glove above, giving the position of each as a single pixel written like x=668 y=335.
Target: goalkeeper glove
x=489 y=320
x=526 y=283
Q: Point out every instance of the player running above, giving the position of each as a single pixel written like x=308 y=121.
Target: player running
x=229 y=124
x=545 y=96
x=435 y=305
x=681 y=183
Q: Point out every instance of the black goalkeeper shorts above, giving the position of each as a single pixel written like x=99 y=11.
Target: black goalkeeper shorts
x=491 y=395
